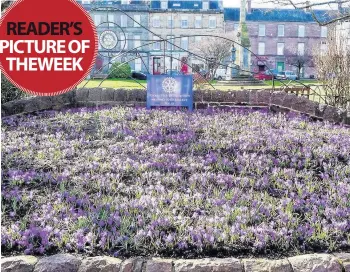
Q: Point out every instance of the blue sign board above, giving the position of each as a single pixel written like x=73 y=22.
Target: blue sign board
x=166 y=91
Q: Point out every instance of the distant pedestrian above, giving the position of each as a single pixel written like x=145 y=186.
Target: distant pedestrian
x=184 y=66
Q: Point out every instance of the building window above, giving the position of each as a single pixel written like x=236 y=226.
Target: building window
x=156 y=45
x=197 y=39
x=111 y=19
x=124 y=41
x=138 y=64
x=170 y=22
x=137 y=42
x=301 y=49
x=261 y=30
x=137 y=20
x=198 y=22
x=323 y=47
x=184 y=43
x=97 y=19
x=212 y=22
x=324 y=31
x=125 y=2
x=280 y=31
x=261 y=49
x=156 y=21
x=184 y=22
x=123 y=21
x=206 y=5
x=301 y=31
x=280 y=49
x=170 y=42
x=164 y=5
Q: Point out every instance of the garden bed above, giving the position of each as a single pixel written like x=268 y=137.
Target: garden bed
x=128 y=182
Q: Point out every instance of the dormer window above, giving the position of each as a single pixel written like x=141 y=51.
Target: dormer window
x=205 y=5
x=164 y=5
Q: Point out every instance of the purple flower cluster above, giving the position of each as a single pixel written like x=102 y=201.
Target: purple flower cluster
x=132 y=181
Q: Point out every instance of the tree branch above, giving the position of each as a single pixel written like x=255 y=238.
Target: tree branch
x=345 y=17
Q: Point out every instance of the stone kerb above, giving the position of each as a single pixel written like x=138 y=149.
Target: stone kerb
x=277 y=101
x=338 y=262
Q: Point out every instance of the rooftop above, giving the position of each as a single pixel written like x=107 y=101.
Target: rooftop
x=188 y=5
x=277 y=15
x=156 y=4
x=133 y=6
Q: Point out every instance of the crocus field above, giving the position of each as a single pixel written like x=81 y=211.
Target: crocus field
x=127 y=181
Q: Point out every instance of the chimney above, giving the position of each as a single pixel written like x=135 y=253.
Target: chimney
x=340 y=7
x=242 y=15
x=249 y=11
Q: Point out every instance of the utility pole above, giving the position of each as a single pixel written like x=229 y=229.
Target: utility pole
x=172 y=41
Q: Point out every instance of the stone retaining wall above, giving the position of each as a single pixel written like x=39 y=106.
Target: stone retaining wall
x=339 y=262
x=277 y=101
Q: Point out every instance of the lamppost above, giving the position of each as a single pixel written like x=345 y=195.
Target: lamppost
x=171 y=45
x=229 y=72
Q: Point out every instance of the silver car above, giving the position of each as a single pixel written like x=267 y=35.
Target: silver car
x=287 y=75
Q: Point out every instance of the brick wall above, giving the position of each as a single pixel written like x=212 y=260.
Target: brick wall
x=277 y=101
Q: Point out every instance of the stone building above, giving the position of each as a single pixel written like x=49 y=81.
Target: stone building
x=344 y=29
x=280 y=39
x=123 y=26
x=182 y=23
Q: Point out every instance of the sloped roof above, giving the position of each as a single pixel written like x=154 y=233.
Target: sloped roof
x=188 y=4
x=277 y=15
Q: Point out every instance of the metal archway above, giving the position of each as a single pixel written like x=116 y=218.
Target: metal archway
x=115 y=50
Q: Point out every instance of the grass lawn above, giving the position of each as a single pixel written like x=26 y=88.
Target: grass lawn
x=138 y=84
x=141 y=84
x=114 y=83
x=287 y=82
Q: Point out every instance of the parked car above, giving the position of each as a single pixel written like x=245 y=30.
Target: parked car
x=264 y=75
x=274 y=72
x=204 y=73
x=287 y=75
x=220 y=74
x=138 y=75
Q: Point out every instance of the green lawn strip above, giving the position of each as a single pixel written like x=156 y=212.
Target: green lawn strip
x=131 y=84
x=288 y=82
x=114 y=83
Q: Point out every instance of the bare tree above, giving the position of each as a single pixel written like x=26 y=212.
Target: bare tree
x=215 y=51
x=298 y=59
x=5 y=4
x=332 y=62
x=338 y=10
